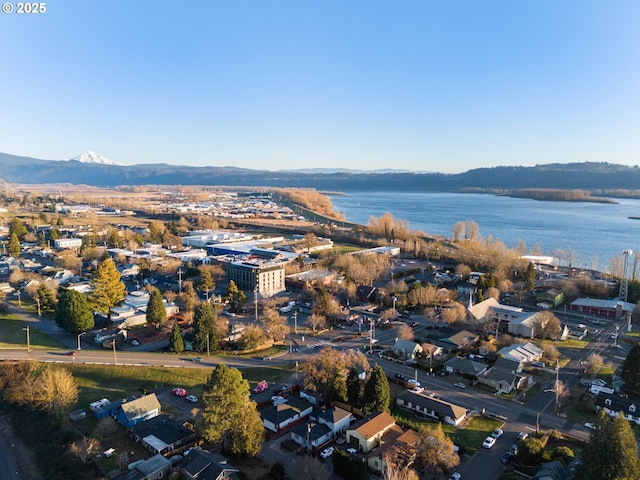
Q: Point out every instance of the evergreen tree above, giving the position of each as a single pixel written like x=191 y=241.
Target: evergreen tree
x=46 y=297
x=530 y=277
x=630 y=372
x=14 y=245
x=206 y=284
x=353 y=387
x=176 y=342
x=108 y=289
x=205 y=328
x=236 y=297
x=612 y=453
x=156 y=311
x=73 y=312
x=376 y=396
x=17 y=227
x=228 y=415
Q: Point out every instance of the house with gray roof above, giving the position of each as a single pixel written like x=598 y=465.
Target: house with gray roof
x=153 y=468
x=138 y=410
x=521 y=352
x=311 y=435
x=431 y=406
x=465 y=366
x=407 y=348
x=200 y=464
x=162 y=434
x=277 y=417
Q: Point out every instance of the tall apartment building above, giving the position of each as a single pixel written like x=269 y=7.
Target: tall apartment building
x=265 y=276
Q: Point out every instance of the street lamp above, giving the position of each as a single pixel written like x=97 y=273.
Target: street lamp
x=79 y=335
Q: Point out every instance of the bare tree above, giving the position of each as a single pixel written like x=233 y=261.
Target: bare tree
x=309 y=468
x=83 y=448
x=405 y=332
x=317 y=322
x=594 y=362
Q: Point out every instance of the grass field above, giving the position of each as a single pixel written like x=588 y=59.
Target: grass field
x=12 y=335
x=115 y=382
x=473 y=434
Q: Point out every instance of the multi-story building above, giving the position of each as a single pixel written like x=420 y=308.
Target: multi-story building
x=264 y=277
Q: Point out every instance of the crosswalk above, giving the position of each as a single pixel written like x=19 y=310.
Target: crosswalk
x=321 y=343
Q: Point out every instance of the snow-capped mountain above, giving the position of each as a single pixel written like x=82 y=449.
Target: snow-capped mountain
x=93 y=157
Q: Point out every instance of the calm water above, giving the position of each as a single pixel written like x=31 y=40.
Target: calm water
x=591 y=233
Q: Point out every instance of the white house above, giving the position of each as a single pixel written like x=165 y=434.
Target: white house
x=277 y=417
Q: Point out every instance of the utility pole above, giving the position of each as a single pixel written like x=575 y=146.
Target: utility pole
x=295 y=322
x=180 y=280
x=372 y=332
x=28 y=340
x=255 y=300
x=557 y=389
x=115 y=359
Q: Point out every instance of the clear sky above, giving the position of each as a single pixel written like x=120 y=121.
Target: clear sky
x=420 y=85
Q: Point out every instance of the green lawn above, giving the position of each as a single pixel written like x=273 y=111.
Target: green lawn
x=12 y=335
x=472 y=436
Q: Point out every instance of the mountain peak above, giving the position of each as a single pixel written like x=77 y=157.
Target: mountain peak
x=92 y=157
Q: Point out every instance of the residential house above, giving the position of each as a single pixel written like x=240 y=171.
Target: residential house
x=552 y=471
x=521 y=352
x=336 y=418
x=200 y=464
x=395 y=444
x=450 y=339
x=483 y=311
x=162 y=434
x=365 y=435
x=613 y=405
x=527 y=324
x=504 y=376
x=138 y=410
x=407 y=349
x=277 y=417
x=110 y=409
x=152 y=468
x=322 y=426
x=552 y=296
x=311 y=435
x=465 y=366
x=430 y=406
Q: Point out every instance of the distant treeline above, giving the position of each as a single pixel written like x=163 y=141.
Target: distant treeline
x=547 y=194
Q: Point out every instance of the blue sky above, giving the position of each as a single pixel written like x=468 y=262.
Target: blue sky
x=419 y=85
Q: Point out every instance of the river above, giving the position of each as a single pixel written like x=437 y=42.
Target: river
x=584 y=234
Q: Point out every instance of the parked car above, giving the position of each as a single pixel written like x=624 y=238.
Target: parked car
x=514 y=449
x=70 y=353
x=278 y=400
x=497 y=433
x=455 y=476
x=351 y=450
x=522 y=435
x=488 y=442
x=460 y=385
x=135 y=343
x=506 y=457
x=197 y=359
x=327 y=452
x=590 y=425
x=192 y=398
x=538 y=364
x=179 y=392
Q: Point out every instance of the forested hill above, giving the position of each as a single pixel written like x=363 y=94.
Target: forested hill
x=586 y=176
